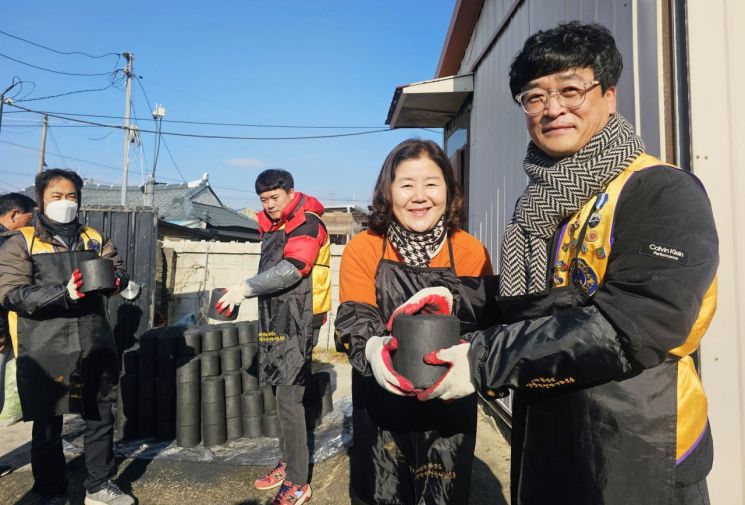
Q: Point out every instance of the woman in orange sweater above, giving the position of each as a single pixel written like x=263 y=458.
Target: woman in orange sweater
x=404 y=451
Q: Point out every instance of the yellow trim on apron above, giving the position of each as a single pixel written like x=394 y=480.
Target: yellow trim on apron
x=34 y=245
x=321 y=280
x=592 y=260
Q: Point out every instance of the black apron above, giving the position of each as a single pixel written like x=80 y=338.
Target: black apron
x=590 y=444
x=285 y=323
x=67 y=361
x=405 y=451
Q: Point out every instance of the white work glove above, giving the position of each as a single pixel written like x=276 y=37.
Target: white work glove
x=378 y=354
x=456 y=382
x=435 y=300
x=233 y=297
x=74 y=284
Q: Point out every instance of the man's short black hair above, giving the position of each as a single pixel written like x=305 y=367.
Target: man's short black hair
x=274 y=178
x=45 y=178
x=566 y=46
x=16 y=201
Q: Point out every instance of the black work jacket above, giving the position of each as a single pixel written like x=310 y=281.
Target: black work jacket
x=67 y=358
x=600 y=410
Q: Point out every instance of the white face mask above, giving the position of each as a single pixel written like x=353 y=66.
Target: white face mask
x=61 y=211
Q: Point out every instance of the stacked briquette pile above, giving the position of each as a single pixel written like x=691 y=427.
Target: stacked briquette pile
x=252 y=399
x=188 y=383
x=126 y=403
x=165 y=383
x=148 y=359
x=201 y=385
x=230 y=360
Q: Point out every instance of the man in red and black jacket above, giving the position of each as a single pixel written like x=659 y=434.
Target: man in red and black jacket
x=293 y=287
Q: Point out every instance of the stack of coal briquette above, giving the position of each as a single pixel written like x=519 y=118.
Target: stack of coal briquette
x=201 y=385
x=148 y=360
x=210 y=398
x=126 y=403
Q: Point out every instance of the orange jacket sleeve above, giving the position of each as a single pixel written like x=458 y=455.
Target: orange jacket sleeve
x=357 y=271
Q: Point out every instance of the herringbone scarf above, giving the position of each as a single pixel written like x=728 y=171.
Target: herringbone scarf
x=556 y=190
x=417 y=249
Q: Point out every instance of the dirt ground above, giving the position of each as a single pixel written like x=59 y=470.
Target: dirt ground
x=164 y=482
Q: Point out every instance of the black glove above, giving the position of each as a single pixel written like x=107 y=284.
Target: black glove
x=121 y=281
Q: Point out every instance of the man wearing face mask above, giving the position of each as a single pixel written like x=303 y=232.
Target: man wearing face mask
x=67 y=359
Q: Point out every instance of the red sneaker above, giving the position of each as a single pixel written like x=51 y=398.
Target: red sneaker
x=291 y=494
x=273 y=479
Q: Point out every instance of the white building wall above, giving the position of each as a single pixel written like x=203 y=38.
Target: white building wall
x=717 y=73
x=203 y=266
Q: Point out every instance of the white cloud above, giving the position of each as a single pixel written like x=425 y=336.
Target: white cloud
x=245 y=163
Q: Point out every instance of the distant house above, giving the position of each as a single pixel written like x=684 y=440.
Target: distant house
x=344 y=221
x=190 y=210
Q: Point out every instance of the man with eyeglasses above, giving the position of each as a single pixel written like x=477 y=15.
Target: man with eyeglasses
x=607 y=285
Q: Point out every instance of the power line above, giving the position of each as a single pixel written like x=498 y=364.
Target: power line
x=175 y=165
x=56 y=51
x=183 y=179
x=54 y=140
x=57 y=125
x=9 y=185
x=50 y=70
x=158 y=125
x=211 y=123
x=16 y=131
x=204 y=136
x=102 y=165
x=66 y=94
x=160 y=138
x=36 y=149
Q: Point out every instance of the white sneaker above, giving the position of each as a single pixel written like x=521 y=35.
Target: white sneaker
x=110 y=494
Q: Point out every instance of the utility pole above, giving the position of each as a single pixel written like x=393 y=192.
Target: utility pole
x=9 y=100
x=158 y=115
x=125 y=164
x=42 y=150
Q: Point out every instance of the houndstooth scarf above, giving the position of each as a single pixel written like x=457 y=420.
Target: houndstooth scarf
x=417 y=249
x=556 y=190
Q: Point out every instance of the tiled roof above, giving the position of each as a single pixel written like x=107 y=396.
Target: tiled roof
x=165 y=194
x=175 y=202
x=221 y=216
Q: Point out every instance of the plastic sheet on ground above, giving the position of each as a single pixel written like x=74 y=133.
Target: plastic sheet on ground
x=330 y=438
x=12 y=408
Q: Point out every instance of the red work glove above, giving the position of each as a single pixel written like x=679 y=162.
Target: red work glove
x=456 y=382
x=378 y=354
x=74 y=284
x=117 y=286
x=434 y=300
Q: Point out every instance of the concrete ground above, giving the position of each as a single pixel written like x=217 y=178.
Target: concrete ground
x=165 y=482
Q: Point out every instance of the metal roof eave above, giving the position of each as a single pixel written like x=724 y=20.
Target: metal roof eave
x=429 y=104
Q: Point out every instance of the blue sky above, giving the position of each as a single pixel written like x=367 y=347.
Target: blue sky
x=280 y=62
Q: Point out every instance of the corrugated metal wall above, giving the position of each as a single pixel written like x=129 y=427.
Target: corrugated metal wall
x=134 y=233
x=498 y=138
